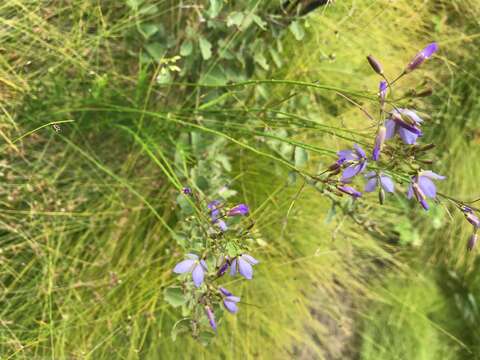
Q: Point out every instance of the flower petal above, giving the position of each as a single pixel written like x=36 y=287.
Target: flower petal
x=430 y=49
x=390 y=126
x=225 y=291
x=407 y=136
x=371 y=185
x=427 y=186
x=250 y=259
x=198 y=275
x=350 y=172
x=432 y=175
x=231 y=306
x=233 y=267
x=359 y=151
x=412 y=115
x=347 y=155
x=387 y=183
x=245 y=269
x=370 y=174
x=410 y=192
x=184 y=266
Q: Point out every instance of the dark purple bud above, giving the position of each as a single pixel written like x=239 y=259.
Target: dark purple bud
x=375 y=64
x=423 y=55
x=349 y=191
x=240 y=209
x=211 y=318
x=187 y=191
x=472 y=219
x=472 y=241
x=223 y=269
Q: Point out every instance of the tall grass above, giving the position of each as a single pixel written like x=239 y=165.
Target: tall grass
x=89 y=214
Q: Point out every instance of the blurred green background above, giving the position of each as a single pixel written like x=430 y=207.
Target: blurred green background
x=102 y=121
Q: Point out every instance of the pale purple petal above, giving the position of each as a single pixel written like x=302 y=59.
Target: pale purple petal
x=430 y=49
x=211 y=318
x=390 y=126
x=184 y=266
x=371 y=185
x=432 y=175
x=410 y=191
x=222 y=225
x=347 y=155
x=250 y=259
x=387 y=183
x=412 y=115
x=359 y=150
x=350 y=172
x=231 y=306
x=233 y=267
x=240 y=209
x=424 y=204
x=198 y=275
x=370 y=174
x=427 y=186
x=245 y=269
x=204 y=264
x=407 y=136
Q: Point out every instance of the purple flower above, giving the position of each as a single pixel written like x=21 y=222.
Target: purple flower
x=379 y=141
x=230 y=301
x=224 y=267
x=382 y=92
x=374 y=179
x=187 y=191
x=406 y=123
x=240 y=209
x=423 y=187
x=423 y=55
x=215 y=214
x=472 y=219
x=356 y=161
x=195 y=266
x=349 y=191
x=472 y=242
x=211 y=318
x=243 y=265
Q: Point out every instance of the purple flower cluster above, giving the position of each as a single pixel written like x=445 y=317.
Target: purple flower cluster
x=196 y=266
x=405 y=123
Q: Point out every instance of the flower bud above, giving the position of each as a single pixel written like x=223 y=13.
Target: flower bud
x=423 y=55
x=381 y=195
x=379 y=141
x=472 y=242
x=425 y=93
x=211 y=318
x=472 y=219
x=240 y=209
x=375 y=65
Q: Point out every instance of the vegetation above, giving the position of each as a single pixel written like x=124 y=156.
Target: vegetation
x=109 y=109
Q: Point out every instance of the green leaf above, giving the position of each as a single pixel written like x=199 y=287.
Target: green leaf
x=155 y=50
x=151 y=9
x=301 y=156
x=258 y=20
x=205 y=48
x=178 y=328
x=215 y=7
x=261 y=60
x=275 y=57
x=186 y=48
x=174 y=296
x=148 y=29
x=297 y=30
x=134 y=4
x=235 y=18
